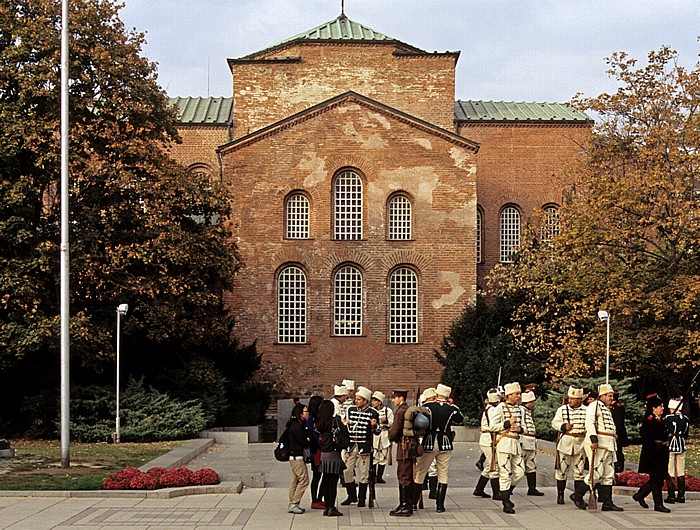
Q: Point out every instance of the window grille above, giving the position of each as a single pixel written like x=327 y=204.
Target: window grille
x=399 y=218
x=550 y=225
x=478 y=236
x=510 y=233
x=297 y=217
x=348 y=206
x=291 y=305
x=403 y=306
x=347 y=307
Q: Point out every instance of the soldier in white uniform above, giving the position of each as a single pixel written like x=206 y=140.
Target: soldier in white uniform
x=600 y=445
x=570 y=423
x=507 y=422
x=431 y=480
x=486 y=444
x=381 y=443
x=528 y=442
x=349 y=385
x=338 y=400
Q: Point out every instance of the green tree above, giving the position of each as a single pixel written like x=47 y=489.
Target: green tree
x=630 y=238
x=143 y=231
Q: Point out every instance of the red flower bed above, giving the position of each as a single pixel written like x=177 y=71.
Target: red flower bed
x=158 y=477
x=636 y=480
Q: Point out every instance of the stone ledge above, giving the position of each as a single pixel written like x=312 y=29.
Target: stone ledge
x=180 y=455
x=165 y=493
x=225 y=437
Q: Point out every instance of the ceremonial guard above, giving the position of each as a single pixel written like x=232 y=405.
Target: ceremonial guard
x=678 y=428
x=349 y=385
x=402 y=434
x=489 y=470
x=653 y=459
x=338 y=400
x=600 y=446
x=570 y=423
x=431 y=480
x=507 y=422
x=437 y=443
x=381 y=443
x=363 y=422
x=528 y=442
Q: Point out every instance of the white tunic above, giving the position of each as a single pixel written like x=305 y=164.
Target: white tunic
x=599 y=422
x=507 y=441
x=571 y=442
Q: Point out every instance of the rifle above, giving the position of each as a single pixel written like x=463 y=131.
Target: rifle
x=690 y=387
x=485 y=412
x=420 y=499
x=591 y=498
x=557 y=456
x=372 y=479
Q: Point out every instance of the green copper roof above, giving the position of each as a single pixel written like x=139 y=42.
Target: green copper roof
x=339 y=29
x=202 y=111
x=511 y=111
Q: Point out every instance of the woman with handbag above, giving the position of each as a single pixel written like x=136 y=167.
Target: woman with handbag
x=298 y=441
x=315 y=453
x=328 y=424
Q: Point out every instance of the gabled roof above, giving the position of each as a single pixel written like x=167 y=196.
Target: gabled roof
x=337 y=30
x=202 y=111
x=511 y=111
x=359 y=99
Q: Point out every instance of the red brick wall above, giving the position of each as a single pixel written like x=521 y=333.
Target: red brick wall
x=199 y=144
x=521 y=164
x=439 y=175
x=265 y=92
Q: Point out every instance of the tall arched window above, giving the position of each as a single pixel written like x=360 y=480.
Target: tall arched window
x=403 y=306
x=399 y=217
x=347 y=301
x=297 y=217
x=347 y=205
x=510 y=233
x=550 y=223
x=478 y=236
x=291 y=305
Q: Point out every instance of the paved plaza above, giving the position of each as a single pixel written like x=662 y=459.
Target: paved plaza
x=266 y=508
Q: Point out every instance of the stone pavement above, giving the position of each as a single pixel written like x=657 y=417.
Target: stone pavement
x=266 y=507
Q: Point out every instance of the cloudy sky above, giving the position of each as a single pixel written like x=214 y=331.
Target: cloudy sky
x=511 y=50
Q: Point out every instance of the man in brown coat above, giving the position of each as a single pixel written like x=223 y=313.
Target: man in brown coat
x=404 y=462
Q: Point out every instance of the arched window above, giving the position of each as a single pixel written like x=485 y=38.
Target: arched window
x=399 y=217
x=550 y=223
x=403 y=306
x=297 y=217
x=291 y=305
x=347 y=301
x=510 y=233
x=347 y=205
x=478 y=236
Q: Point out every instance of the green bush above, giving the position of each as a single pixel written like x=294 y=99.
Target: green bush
x=548 y=404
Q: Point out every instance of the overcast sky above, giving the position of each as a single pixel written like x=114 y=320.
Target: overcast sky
x=511 y=50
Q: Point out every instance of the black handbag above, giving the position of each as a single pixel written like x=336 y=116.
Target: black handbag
x=341 y=435
x=282 y=449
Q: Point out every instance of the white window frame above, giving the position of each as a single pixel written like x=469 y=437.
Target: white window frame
x=347 y=301
x=550 y=223
x=347 y=206
x=510 y=233
x=291 y=305
x=403 y=306
x=400 y=218
x=297 y=212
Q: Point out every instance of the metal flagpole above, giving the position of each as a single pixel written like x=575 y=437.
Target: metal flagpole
x=65 y=299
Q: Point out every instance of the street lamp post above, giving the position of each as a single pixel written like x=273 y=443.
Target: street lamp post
x=121 y=310
x=604 y=316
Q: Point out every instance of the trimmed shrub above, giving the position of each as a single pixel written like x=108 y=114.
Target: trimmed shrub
x=159 y=477
x=205 y=477
x=176 y=477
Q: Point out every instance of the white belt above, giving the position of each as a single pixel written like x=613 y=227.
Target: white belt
x=296 y=458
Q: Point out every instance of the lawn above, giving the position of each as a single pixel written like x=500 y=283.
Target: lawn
x=692 y=457
x=37 y=463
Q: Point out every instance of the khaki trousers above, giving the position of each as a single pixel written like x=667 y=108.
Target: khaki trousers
x=676 y=464
x=300 y=481
x=488 y=453
x=355 y=459
x=529 y=463
x=423 y=465
x=510 y=470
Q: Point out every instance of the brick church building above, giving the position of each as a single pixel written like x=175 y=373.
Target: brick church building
x=368 y=204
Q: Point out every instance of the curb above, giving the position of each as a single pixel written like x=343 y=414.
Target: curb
x=165 y=493
x=180 y=455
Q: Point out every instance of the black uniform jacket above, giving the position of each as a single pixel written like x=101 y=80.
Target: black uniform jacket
x=654 y=456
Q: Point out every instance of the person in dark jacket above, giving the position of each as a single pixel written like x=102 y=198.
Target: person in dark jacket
x=298 y=441
x=316 y=500
x=654 y=456
x=678 y=428
x=331 y=463
x=617 y=410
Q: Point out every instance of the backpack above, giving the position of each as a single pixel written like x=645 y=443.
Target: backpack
x=341 y=435
x=282 y=449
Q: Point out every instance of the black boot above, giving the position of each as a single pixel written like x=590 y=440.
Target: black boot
x=495 y=489
x=362 y=497
x=404 y=508
x=561 y=488
x=658 y=496
x=681 y=490
x=352 y=494
x=532 y=485
x=441 y=494
x=432 y=486
x=642 y=494
x=580 y=490
x=479 y=490
x=415 y=497
x=380 y=475
x=480 y=463
x=671 y=497
x=606 y=496
x=508 y=507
